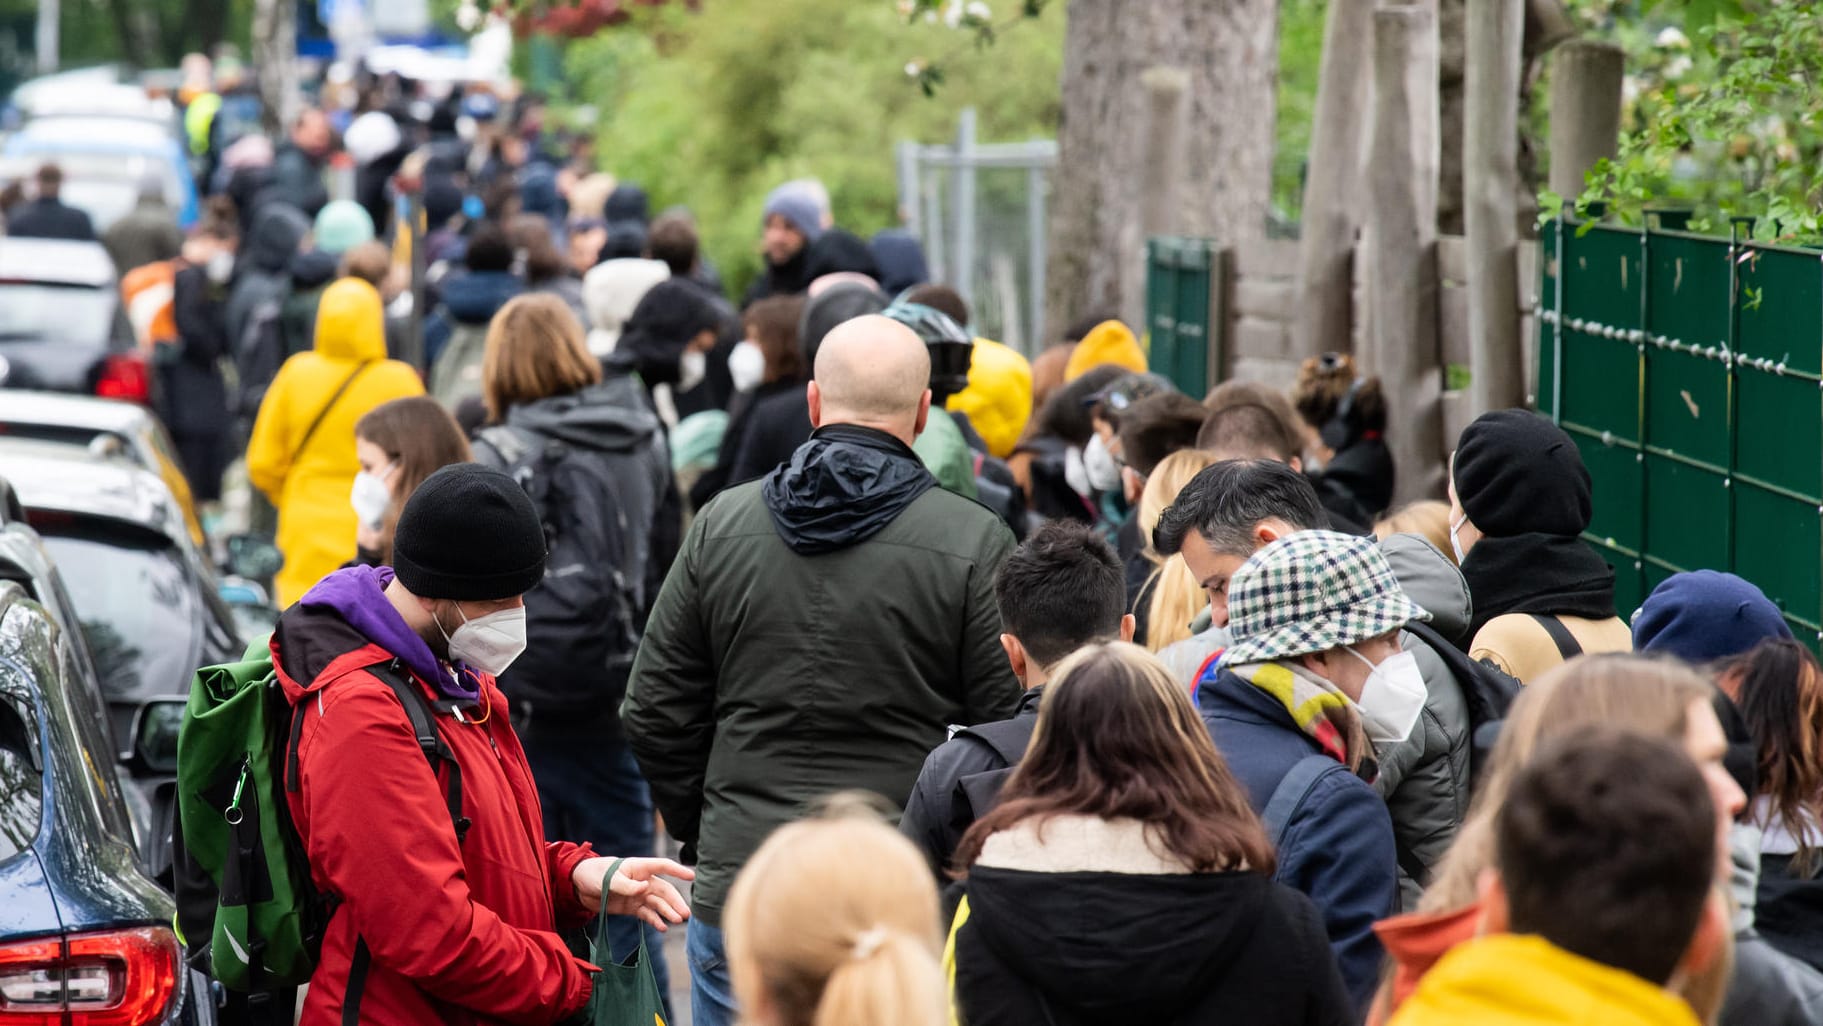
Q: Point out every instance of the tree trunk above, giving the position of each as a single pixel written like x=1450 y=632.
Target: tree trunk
x=1402 y=220
x=275 y=60
x=1494 y=36
x=1333 y=191
x=1230 y=47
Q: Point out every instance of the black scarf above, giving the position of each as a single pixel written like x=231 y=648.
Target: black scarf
x=1550 y=574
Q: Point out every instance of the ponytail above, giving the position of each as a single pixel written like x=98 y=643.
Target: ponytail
x=889 y=979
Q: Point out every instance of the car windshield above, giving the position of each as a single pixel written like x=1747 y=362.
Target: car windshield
x=21 y=785
x=138 y=609
x=104 y=200
x=32 y=310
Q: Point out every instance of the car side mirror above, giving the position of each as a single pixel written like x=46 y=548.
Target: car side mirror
x=155 y=730
x=253 y=557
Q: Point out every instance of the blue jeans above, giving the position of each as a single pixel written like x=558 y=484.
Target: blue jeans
x=591 y=790
x=711 y=990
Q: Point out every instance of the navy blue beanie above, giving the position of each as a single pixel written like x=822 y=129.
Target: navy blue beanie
x=1704 y=616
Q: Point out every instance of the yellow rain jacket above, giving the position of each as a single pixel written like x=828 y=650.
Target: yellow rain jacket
x=998 y=399
x=309 y=480
x=1512 y=980
x=1107 y=342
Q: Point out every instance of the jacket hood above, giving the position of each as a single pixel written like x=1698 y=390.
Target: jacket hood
x=998 y=399
x=1109 y=342
x=351 y=322
x=843 y=487
x=1118 y=947
x=611 y=291
x=669 y=316
x=610 y=417
x=312 y=268
x=345 y=612
x=273 y=239
x=474 y=297
x=626 y=203
x=1509 y=980
x=1431 y=580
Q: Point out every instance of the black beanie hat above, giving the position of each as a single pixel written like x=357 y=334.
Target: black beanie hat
x=471 y=534
x=1518 y=473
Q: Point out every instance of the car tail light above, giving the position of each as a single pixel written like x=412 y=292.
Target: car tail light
x=115 y=978
x=125 y=376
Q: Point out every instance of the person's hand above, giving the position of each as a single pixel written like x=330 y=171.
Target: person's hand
x=638 y=889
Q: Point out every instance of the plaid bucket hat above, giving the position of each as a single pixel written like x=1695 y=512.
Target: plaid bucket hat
x=1311 y=592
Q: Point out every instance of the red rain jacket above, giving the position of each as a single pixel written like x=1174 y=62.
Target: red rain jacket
x=458 y=935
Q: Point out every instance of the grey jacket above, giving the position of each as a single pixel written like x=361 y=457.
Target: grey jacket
x=1769 y=988
x=1425 y=779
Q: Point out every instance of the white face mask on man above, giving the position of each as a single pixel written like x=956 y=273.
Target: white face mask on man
x=487 y=643
x=746 y=365
x=1103 y=469
x=692 y=368
x=1392 y=699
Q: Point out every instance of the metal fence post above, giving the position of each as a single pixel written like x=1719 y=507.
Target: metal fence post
x=962 y=277
x=911 y=207
x=1036 y=184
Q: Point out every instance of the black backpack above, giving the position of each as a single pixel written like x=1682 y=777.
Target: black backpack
x=583 y=619
x=1487 y=691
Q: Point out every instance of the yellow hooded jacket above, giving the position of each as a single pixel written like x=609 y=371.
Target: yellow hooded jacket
x=998 y=399
x=1107 y=342
x=1515 y=980
x=310 y=483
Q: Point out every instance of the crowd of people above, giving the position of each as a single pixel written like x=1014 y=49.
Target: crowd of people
x=1177 y=719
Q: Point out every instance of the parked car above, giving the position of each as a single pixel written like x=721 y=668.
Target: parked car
x=105 y=156
x=83 y=421
x=146 y=597
x=85 y=934
x=62 y=328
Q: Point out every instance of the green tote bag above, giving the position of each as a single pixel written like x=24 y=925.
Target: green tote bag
x=626 y=993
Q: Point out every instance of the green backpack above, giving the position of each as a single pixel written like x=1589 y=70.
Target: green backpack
x=242 y=878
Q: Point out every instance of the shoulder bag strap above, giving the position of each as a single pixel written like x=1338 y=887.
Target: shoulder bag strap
x=1566 y=643
x=1290 y=794
x=310 y=432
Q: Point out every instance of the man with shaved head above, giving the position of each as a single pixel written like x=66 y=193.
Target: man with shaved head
x=821 y=628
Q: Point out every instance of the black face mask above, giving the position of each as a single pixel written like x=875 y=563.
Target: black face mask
x=949 y=363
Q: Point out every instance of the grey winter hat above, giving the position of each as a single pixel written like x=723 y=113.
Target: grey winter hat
x=1312 y=592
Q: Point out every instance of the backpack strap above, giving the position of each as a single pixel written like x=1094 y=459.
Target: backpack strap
x=310 y=432
x=1567 y=645
x=1291 y=792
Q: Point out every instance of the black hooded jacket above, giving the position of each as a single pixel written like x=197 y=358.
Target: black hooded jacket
x=1066 y=948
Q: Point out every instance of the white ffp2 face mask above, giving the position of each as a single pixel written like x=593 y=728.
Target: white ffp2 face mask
x=1103 y=469
x=487 y=643
x=1392 y=699
x=371 y=498
x=746 y=365
x=692 y=368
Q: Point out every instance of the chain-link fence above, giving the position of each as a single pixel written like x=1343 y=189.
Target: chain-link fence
x=982 y=211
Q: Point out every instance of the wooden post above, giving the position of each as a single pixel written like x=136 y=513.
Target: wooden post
x=1167 y=118
x=1402 y=227
x=1585 y=111
x=1490 y=160
x=1333 y=190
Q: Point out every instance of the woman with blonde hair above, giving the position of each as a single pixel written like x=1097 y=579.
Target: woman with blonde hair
x=1428 y=519
x=1172 y=596
x=1651 y=696
x=583 y=441
x=833 y=922
x=398 y=444
x=1123 y=877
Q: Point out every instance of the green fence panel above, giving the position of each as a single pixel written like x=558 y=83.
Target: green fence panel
x=1179 y=287
x=1689 y=370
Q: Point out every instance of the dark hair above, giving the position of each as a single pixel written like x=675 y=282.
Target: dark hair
x=672 y=239
x=1118 y=738
x=772 y=324
x=1156 y=427
x=943 y=299
x=1606 y=848
x=1333 y=397
x=220 y=220
x=1778 y=687
x=1287 y=436
x=1066 y=413
x=489 y=248
x=1247 y=431
x=531 y=234
x=1085 y=324
x=1229 y=499
x=1063 y=589
x=50 y=179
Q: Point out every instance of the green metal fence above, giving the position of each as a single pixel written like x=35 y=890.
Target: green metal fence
x=1689 y=370
x=1180 y=285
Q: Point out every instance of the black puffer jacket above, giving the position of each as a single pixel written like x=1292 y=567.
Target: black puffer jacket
x=818 y=632
x=939 y=810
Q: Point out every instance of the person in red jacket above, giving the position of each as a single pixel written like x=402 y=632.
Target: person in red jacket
x=436 y=924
